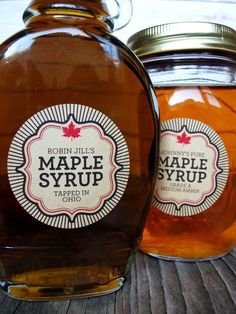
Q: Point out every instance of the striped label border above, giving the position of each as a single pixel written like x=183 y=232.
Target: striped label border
x=58 y=116
x=194 y=128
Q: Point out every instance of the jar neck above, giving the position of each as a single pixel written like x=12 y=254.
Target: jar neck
x=70 y=11
x=192 y=68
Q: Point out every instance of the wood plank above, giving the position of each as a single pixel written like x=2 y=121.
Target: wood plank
x=234 y=252
x=175 y=303
x=229 y=259
x=103 y=304
x=56 y=307
x=8 y=305
x=142 y=285
x=226 y=270
x=155 y=284
x=124 y=297
x=218 y=293
x=76 y=306
x=196 y=295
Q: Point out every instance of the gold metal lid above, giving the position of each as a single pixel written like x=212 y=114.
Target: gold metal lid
x=183 y=36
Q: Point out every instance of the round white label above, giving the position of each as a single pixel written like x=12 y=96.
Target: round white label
x=193 y=167
x=68 y=166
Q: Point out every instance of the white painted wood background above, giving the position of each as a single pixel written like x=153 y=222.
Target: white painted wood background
x=146 y=13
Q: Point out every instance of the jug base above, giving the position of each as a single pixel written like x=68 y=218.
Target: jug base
x=45 y=293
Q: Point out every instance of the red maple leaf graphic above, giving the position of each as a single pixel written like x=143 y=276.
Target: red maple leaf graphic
x=183 y=139
x=71 y=131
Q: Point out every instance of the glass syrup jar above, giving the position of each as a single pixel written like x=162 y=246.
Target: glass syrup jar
x=193 y=68
x=77 y=158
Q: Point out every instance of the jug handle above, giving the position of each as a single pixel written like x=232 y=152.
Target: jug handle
x=123 y=14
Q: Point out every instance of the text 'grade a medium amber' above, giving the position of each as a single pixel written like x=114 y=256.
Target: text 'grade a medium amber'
x=193 y=68
x=78 y=163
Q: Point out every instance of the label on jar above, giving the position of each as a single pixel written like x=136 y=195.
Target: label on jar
x=193 y=167
x=68 y=166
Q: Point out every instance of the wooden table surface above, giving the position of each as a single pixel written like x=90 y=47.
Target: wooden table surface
x=155 y=286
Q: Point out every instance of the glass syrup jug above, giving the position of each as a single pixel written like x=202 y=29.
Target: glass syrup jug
x=77 y=159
